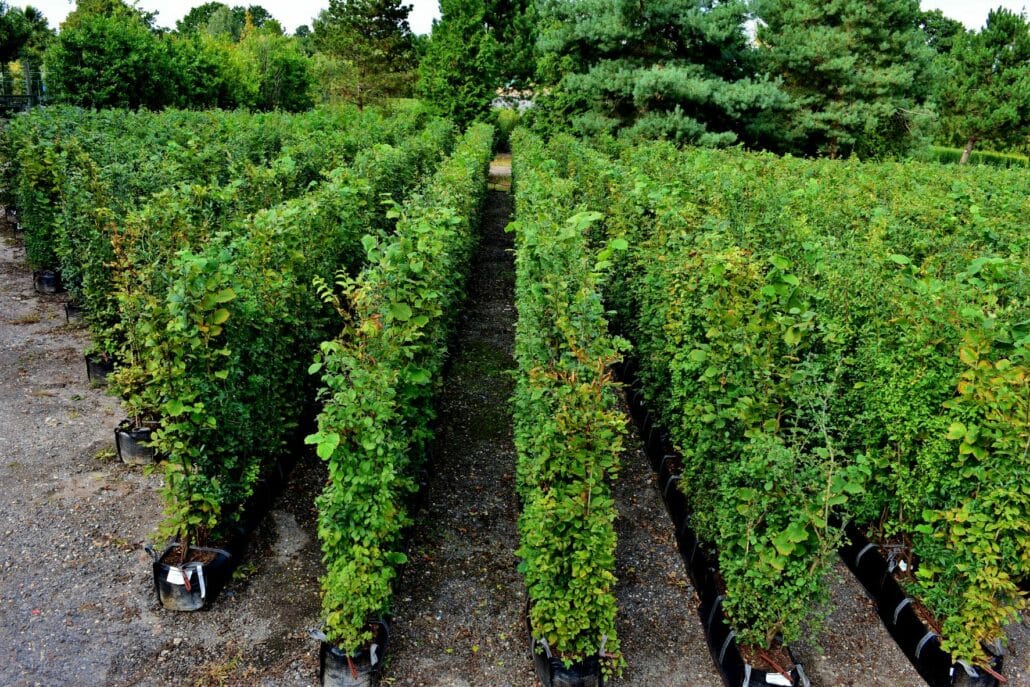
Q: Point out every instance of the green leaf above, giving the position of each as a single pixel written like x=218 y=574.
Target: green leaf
x=400 y=311
x=225 y=295
x=780 y=262
x=899 y=259
x=620 y=244
x=792 y=336
x=327 y=443
x=174 y=408
x=956 y=430
x=219 y=316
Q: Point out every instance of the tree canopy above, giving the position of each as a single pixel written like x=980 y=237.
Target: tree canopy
x=855 y=70
x=985 y=90
x=374 y=39
x=676 y=69
x=459 y=71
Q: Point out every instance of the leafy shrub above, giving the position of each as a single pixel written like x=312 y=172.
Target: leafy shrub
x=568 y=427
x=379 y=379
x=823 y=335
x=226 y=325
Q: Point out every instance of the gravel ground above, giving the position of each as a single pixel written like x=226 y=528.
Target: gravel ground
x=78 y=605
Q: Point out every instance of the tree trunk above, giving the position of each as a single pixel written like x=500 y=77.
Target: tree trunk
x=968 y=149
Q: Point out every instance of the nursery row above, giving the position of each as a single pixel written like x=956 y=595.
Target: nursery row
x=568 y=426
x=829 y=342
x=380 y=376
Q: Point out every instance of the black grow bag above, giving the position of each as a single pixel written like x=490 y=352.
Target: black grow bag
x=552 y=672
x=130 y=440
x=46 y=282
x=700 y=562
x=72 y=312
x=363 y=668
x=920 y=644
x=192 y=586
x=97 y=369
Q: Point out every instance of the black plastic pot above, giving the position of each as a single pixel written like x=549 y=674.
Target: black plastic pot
x=920 y=644
x=72 y=312
x=46 y=282
x=551 y=672
x=192 y=586
x=360 y=669
x=130 y=443
x=97 y=369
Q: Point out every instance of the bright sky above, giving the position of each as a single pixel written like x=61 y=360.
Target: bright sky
x=293 y=13
x=290 y=14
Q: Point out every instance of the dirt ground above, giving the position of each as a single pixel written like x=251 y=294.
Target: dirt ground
x=78 y=606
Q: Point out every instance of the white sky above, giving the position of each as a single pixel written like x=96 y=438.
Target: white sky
x=290 y=13
x=293 y=13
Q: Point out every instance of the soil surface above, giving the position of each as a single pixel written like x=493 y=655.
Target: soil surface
x=78 y=606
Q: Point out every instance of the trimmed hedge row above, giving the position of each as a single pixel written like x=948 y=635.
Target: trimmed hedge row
x=951 y=156
x=81 y=181
x=226 y=326
x=569 y=430
x=824 y=336
x=380 y=377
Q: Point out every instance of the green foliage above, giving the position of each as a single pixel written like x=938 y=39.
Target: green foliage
x=374 y=39
x=951 y=156
x=855 y=71
x=379 y=379
x=108 y=61
x=675 y=69
x=826 y=336
x=216 y=18
x=113 y=58
x=985 y=90
x=568 y=426
x=458 y=74
x=221 y=314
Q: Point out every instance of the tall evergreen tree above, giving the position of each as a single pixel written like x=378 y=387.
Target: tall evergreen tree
x=855 y=69
x=679 y=69
x=512 y=23
x=940 y=31
x=458 y=74
x=985 y=93
x=375 y=38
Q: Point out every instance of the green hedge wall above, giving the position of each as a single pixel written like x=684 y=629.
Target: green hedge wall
x=380 y=377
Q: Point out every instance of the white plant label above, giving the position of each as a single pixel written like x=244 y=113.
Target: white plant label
x=175 y=576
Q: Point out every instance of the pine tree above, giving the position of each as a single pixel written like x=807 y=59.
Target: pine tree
x=856 y=71
x=985 y=93
x=678 y=69
x=459 y=72
x=375 y=38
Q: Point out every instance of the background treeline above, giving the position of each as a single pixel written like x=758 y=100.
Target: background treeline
x=874 y=79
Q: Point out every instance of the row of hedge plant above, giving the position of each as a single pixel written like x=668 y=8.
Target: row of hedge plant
x=569 y=430
x=380 y=377
x=226 y=326
x=823 y=336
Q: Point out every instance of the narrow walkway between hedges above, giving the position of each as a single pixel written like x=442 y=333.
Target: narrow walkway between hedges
x=459 y=602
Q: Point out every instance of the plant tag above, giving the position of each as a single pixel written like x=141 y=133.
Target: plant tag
x=777 y=679
x=903 y=566
x=175 y=576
